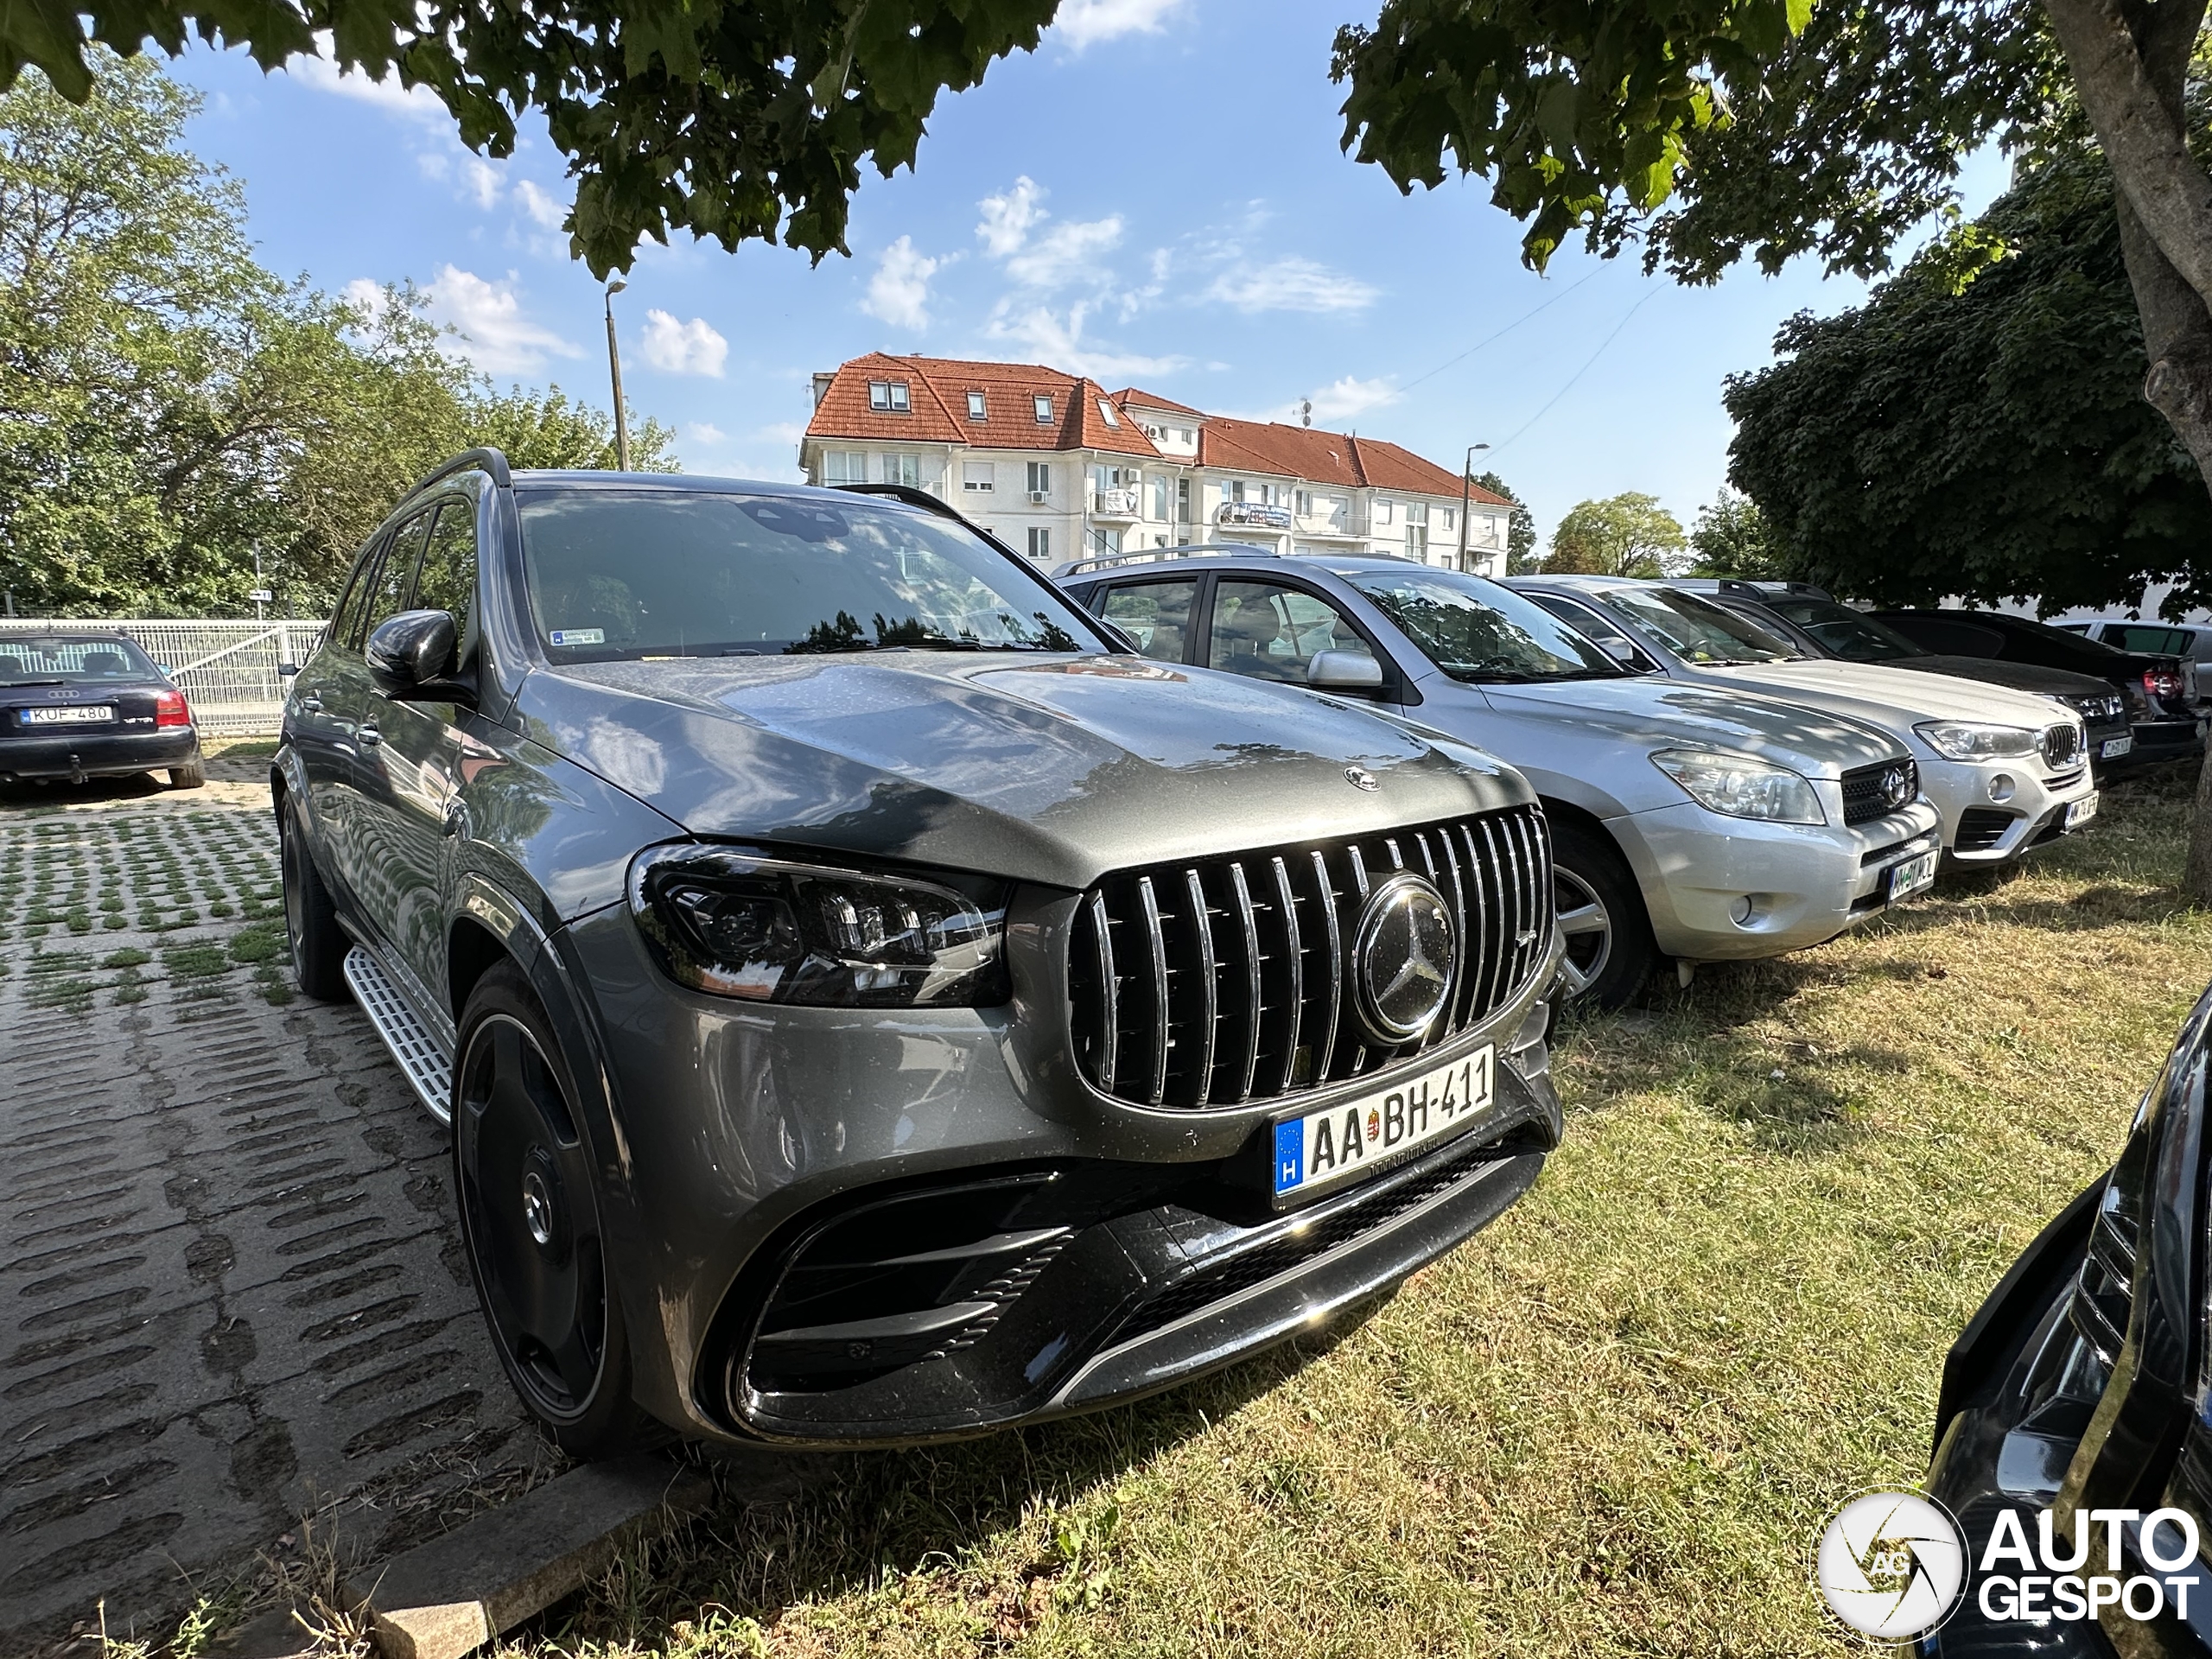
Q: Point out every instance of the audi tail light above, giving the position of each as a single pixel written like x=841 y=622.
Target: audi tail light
x=170 y=710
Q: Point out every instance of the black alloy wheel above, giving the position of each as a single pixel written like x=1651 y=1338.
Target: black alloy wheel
x=530 y=1219
x=1601 y=917
x=319 y=944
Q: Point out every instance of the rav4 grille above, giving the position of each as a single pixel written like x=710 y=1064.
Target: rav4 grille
x=1875 y=792
x=1229 y=981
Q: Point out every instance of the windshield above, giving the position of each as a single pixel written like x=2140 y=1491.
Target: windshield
x=1854 y=637
x=618 y=575
x=1698 y=631
x=1474 y=630
x=59 y=659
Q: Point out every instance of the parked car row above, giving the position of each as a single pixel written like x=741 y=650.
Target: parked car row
x=880 y=995
x=75 y=705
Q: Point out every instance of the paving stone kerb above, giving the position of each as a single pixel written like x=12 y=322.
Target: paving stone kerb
x=230 y=1289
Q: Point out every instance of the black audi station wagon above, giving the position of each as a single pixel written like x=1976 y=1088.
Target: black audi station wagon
x=873 y=1005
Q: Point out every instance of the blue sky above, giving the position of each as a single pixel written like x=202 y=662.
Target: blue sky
x=1156 y=195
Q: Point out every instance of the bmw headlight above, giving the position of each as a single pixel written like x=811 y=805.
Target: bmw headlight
x=735 y=923
x=1967 y=740
x=1740 y=787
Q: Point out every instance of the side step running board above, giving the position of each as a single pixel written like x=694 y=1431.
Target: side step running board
x=421 y=1061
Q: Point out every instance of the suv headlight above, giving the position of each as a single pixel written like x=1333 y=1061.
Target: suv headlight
x=1967 y=740
x=1740 y=787
x=736 y=924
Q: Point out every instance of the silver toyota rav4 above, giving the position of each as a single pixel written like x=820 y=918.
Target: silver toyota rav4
x=871 y=1004
x=1707 y=823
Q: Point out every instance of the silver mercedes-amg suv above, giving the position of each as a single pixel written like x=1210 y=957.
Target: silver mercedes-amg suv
x=871 y=1003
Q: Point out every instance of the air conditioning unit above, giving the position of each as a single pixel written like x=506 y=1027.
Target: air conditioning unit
x=1037 y=498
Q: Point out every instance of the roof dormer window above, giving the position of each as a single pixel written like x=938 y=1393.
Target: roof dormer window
x=975 y=409
x=1106 y=413
x=1044 y=408
x=889 y=397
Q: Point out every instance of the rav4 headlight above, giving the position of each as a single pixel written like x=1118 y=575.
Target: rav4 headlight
x=1740 y=787
x=734 y=924
x=1967 y=740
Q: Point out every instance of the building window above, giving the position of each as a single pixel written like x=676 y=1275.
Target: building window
x=1103 y=543
x=1159 y=513
x=1451 y=518
x=1182 y=502
x=1382 y=513
x=978 y=477
x=1417 y=512
x=903 y=469
x=1040 y=478
x=1106 y=413
x=1044 y=407
x=1233 y=491
x=1304 y=503
x=844 y=466
x=1416 y=540
x=975 y=409
x=1040 y=545
x=888 y=397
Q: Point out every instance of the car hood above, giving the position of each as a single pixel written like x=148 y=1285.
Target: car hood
x=1649 y=712
x=1891 y=696
x=2018 y=677
x=1054 y=770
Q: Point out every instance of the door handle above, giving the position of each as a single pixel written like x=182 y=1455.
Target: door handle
x=367 y=735
x=312 y=704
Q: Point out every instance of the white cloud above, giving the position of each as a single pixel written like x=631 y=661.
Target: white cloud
x=1007 y=218
x=482 y=181
x=364 y=295
x=704 y=432
x=544 y=208
x=1067 y=253
x=1292 y=284
x=1084 y=22
x=690 y=347
x=416 y=103
x=1039 y=335
x=1340 y=401
x=487 y=318
x=899 y=293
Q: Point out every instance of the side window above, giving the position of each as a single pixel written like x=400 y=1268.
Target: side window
x=1587 y=623
x=1156 y=615
x=1947 y=638
x=448 y=582
x=1271 y=633
x=397 y=578
x=346 y=621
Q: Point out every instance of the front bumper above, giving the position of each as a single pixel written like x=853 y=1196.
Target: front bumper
x=1806 y=883
x=1980 y=829
x=96 y=754
x=757 y=1154
x=2163 y=739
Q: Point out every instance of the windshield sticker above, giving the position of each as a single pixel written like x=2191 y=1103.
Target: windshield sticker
x=578 y=636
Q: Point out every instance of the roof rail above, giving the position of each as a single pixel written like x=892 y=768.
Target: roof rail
x=928 y=503
x=1159 y=555
x=467 y=460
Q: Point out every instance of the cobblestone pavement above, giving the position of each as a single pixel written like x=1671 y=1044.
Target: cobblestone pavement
x=230 y=1290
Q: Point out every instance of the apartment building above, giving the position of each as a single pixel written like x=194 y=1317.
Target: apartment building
x=1057 y=466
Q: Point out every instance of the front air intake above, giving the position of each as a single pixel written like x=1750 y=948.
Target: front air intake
x=1229 y=981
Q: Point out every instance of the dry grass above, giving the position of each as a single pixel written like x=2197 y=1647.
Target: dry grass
x=1608 y=1425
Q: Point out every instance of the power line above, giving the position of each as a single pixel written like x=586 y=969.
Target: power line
x=1584 y=369
x=1501 y=334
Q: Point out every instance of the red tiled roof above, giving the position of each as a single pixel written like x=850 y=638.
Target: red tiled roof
x=1327 y=458
x=938 y=391
x=1128 y=394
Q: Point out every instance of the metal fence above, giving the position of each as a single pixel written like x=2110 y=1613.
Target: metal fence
x=227 y=671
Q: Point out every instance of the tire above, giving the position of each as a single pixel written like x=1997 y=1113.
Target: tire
x=1609 y=943
x=319 y=944
x=192 y=777
x=530 y=1226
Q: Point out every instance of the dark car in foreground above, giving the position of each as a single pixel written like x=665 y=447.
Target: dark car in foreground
x=1810 y=619
x=871 y=1004
x=2165 y=723
x=2079 y=1389
x=78 y=705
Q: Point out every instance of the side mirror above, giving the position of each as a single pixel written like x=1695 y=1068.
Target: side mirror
x=1343 y=671
x=286 y=670
x=411 y=657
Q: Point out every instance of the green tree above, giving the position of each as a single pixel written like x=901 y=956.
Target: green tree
x=1731 y=537
x=1629 y=535
x=1991 y=443
x=725 y=121
x=1520 y=526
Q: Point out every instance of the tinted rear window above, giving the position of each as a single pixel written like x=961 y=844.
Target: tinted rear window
x=53 y=656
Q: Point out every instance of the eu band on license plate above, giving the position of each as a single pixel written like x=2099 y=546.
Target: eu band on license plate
x=1342 y=1142
x=69 y=715
x=2080 y=812
x=1912 y=875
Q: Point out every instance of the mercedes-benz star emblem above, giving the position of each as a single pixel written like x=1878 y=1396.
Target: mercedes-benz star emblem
x=1897 y=788
x=1403 y=954
x=1360 y=778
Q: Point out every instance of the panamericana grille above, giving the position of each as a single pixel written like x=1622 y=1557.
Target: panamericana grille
x=1866 y=790
x=1229 y=981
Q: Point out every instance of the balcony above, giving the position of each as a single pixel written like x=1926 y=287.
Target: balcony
x=1253 y=515
x=1115 y=503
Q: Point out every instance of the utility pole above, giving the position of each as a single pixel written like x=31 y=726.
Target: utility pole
x=1467 y=482
x=614 y=372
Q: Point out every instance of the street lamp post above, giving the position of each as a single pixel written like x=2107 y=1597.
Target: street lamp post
x=614 y=370
x=1467 y=480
